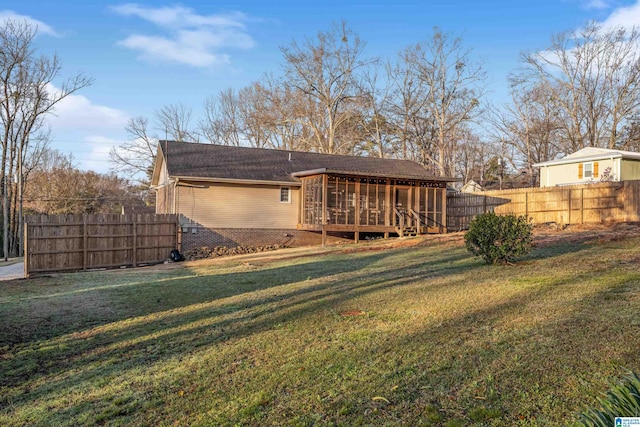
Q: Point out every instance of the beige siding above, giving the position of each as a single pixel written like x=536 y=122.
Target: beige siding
x=164 y=199
x=566 y=174
x=164 y=189
x=161 y=201
x=163 y=178
x=216 y=205
x=630 y=170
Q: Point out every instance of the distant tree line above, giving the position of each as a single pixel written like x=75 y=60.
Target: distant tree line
x=33 y=178
x=427 y=104
x=57 y=186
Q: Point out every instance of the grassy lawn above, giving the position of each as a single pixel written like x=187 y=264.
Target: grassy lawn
x=358 y=335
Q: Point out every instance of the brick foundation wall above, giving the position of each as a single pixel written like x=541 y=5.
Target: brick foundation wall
x=195 y=237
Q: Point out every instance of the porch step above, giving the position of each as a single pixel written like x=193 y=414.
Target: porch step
x=407 y=231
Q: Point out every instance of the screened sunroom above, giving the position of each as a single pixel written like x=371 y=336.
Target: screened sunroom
x=361 y=204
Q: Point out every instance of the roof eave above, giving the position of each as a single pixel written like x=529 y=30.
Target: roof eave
x=566 y=161
x=236 y=181
x=371 y=174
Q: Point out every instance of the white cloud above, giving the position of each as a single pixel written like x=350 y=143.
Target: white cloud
x=77 y=113
x=163 y=49
x=181 y=17
x=6 y=15
x=189 y=38
x=597 y=4
x=86 y=130
x=626 y=17
x=95 y=153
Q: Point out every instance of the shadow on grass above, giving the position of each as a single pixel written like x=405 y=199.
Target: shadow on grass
x=200 y=319
x=54 y=314
x=191 y=314
x=545 y=371
x=541 y=252
x=74 y=307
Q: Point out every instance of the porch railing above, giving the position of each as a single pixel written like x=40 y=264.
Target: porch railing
x=403 y=217
x=423 y=219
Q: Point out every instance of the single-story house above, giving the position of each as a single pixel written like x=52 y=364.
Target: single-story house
x=227 y=195
x=471 y=187
x=590 y=165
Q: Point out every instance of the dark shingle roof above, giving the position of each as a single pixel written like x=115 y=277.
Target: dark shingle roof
x=258 y=164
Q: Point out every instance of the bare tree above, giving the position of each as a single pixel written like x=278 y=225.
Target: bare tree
x=413 y=127
x=531 y=123
x=435 y=95
x=594 y=76
x=134 y=158
x=257 y=116
x=174 y=120
x=472 y=156
x=27 y=96
x=630 y=136
x=377 y=132
x=221 y=123
x=287 y=107
x=324 y=70
x=455 y=86
x=57 y=186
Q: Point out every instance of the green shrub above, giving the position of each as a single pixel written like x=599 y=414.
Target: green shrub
x=499 y=237
x=623 y=400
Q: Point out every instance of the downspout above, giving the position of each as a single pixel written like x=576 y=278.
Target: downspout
x=175 y=197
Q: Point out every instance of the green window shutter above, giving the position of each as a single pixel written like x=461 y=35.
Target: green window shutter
x=595 y=169
x=580 y=166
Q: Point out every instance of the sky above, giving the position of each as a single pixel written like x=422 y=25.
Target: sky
x=146 y=55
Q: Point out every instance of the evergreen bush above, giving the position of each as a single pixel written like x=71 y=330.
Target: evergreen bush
x=499 y=237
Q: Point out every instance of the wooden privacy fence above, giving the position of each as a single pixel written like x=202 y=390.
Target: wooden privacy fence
x=463 y=207
x=575 y=204
x=83 y=242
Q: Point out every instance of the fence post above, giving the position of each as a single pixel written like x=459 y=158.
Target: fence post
x=443 y=220
x=526 y=204
x=178 y=234
x=85 y=239
x=26 y=250
x=135 y=239
x=582 y=206
x=569 y=215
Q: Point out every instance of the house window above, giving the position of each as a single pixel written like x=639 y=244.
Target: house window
x=588 y=170
x=285 y=195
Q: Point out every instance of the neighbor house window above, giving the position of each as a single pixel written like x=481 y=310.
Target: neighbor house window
x=285 y=195
x=588 y=170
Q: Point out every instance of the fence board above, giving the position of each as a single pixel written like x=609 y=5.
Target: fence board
x=575 y=204
x=82 y=242
x=463 y=207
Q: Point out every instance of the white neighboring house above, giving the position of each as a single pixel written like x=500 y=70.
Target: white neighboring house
x=471 y=187
x=590 y=165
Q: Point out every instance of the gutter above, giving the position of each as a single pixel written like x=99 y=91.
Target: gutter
x=157 y=187
x=309 y=172
x=582 y=159
x=372 y=174
x=237 y=181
